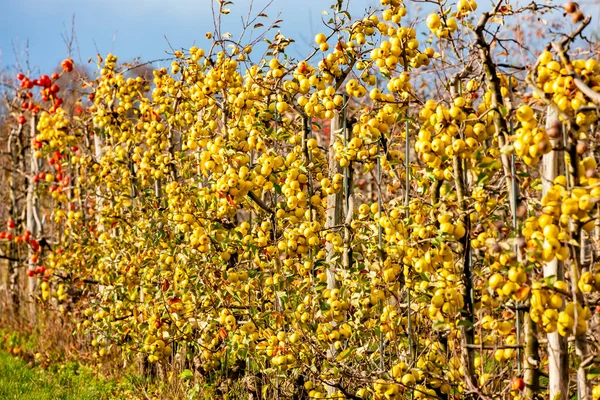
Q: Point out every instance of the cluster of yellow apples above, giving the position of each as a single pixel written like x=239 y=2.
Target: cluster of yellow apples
x=464 y=7
x=157 y=349
x=324 y=100
x=363 y=144
x=441 y=27
x=402 y=49
x=557 y=80
x=52 y=130
x=531 y=142
x=449 y=132
x=393 y=10
x=408 y=377
x=548 y=308
x=507 y=288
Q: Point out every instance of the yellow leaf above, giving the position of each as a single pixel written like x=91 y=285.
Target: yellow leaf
x=498 y=20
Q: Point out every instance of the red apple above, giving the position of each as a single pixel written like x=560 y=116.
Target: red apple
x=45 y=81
x=34 y=245
x=67 y=65
x=517 y=384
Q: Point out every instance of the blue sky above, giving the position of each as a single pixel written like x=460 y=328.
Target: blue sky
x=131 y=28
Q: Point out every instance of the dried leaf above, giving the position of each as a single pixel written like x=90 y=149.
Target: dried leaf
x=522 y=293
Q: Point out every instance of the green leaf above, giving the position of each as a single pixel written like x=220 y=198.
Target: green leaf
x=482 y=177
x=466 y=323
x=593 y=373
x=438 y=324
x=344 y=354
x=346 y=13
x=282 y=294
x=186 y=374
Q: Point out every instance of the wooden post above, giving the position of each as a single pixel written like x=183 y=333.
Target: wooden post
x=333 y=217
x=334 y=201
x=553 y=165
x=577 y=259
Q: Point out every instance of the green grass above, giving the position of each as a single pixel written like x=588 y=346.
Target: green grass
x=67 y=382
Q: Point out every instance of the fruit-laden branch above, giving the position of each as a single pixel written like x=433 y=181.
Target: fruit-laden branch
x=344 y=75
x=3 y=257
x=562 y=53
x=260 y=203
x=542 y=96
x=581 y=347
x=466 y=332
x=493 y=81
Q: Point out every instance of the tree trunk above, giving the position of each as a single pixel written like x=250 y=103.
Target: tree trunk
x=553 y=165
x=32 y=225
x=532 y=359
x=15 y=145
